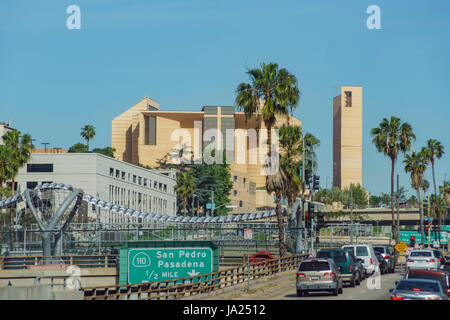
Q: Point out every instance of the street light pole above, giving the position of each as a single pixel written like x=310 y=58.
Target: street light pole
x=351 y=213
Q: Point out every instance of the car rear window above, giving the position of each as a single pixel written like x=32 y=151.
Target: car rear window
x=415 y=275
x=417 y=286
x=324 y=255
x=420 y=254
x=314 y=266
x=339 y=256
x=378 y=249
x=350 y=249
x=361 y=251
x=437 y=254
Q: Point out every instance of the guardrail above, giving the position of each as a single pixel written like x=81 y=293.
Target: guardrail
x=177 y=288
x=82 y=261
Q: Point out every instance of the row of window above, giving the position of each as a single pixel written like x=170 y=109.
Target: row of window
x=137 y=200
x=118 y=174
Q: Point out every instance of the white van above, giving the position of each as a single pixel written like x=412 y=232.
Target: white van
x=366 y=253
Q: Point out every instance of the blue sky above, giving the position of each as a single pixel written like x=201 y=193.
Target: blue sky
x=186 y=54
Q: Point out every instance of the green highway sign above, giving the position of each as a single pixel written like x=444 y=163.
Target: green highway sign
x=158 y=264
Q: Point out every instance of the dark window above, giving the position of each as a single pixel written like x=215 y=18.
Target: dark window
x=361 y=252
x=150 y=136
x=111 y=172
x=324 y=255
x=314 y=266
x=123 y=175
x=31 y=184
x=339 y=257
x=234 y=193
x=348 y=99
x=417 y=286
x=40 y=167
x=240 y=203
x=420 y=254
x=134 y=179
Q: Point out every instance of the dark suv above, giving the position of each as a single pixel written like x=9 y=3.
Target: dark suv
x=345 y=262
x=387 y=252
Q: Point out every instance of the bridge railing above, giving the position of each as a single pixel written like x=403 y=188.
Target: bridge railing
x=182 y=287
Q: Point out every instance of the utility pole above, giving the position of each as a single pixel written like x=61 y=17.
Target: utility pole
x=212 y=203
x=351 y=213
x=398 y=215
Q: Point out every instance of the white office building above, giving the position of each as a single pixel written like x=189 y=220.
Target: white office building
x=105 y=178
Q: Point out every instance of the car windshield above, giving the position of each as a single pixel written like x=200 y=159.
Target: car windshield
x=361 y=251
x=420 y=254
x=418 y=286
x=314 y=266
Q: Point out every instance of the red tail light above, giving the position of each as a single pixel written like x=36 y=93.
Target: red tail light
x=431 y=260
x=350 y=268
x=396 y=298
x=386 y=257
x=409 y=260
x=301 y=275
x=329 y=274
x=440 y=259
x=370 y=260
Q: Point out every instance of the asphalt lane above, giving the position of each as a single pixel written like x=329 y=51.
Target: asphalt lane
x=372 y=288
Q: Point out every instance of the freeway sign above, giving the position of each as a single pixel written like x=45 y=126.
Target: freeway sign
x=401 y=247
x=157 y=264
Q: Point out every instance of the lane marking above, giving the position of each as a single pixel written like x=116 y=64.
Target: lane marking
x=285 y=294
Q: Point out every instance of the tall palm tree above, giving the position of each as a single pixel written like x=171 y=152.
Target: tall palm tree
x=416 y=164
x=185 y=187
x=88 y=133
x=290 y=158
x=277 y=183
x=434 y=150
x=392 y=137
x=272 y=92
x=291 y=152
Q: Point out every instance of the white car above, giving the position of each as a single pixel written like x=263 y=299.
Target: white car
x=422 y=259
x=366 y=253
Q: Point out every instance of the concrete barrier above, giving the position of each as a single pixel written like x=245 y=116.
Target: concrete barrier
x=40 y=292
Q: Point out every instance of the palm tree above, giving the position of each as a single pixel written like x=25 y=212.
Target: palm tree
x=185 y=187
x=88 y=133
x=277 y=183
x=20 y=147
x=272 y=92
x=392 y=137
x=291 y=153
x=416 y=164
x=6 y=168
x=434 y=150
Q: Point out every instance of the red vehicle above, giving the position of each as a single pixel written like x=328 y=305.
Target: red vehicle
x=261 y=256
x=439 y=275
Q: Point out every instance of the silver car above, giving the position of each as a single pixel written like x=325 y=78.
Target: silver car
x=422 y=259
x=318 y=275
x=418 y=289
